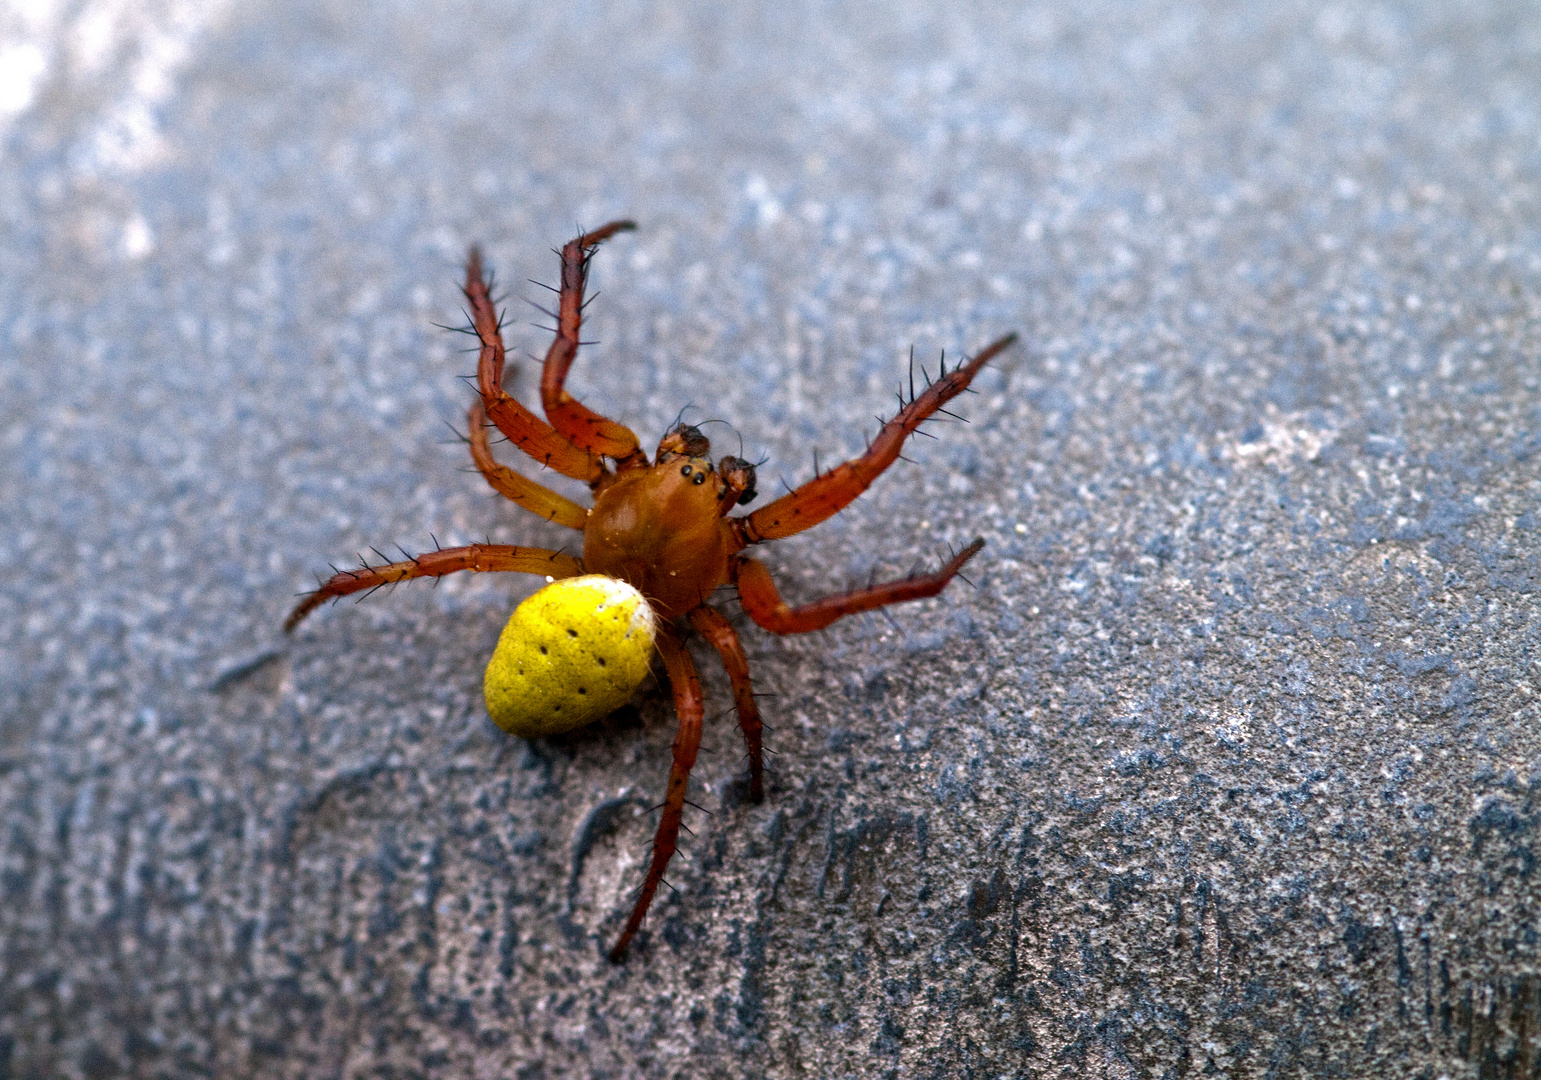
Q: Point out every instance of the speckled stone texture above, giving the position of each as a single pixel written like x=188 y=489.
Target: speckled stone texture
x=1228 y=765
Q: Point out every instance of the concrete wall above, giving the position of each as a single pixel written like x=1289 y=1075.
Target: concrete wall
x=1227 y=764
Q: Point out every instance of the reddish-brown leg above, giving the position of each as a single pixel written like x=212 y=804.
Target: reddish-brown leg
x=830 y=493
x=583 y=428
x=533 y=497
x=710 y=624
x=763 y=602
x=524 y=429
x=479 y=557
x=688 y=705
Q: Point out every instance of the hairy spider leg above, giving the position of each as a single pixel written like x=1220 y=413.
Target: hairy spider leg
x=531 y=496
x=834 y=490
x=585 y=429
x=478 y=557
x=690 y=707
x=711 y=625
x=757 y=591
x=766 y=607
x=523 y=428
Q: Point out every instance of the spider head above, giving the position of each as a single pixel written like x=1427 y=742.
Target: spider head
x=737 y=482
x=684 y=441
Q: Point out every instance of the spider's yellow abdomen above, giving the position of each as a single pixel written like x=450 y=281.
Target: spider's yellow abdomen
x=570 y=654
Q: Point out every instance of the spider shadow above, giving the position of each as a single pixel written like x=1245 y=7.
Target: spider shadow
x=628 y=718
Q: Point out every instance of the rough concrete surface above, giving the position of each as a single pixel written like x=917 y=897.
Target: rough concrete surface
x=1228 y=764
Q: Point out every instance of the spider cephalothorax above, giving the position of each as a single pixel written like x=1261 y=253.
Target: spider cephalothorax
x=660 y=527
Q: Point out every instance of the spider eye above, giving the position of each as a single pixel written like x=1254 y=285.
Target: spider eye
x=700 y=478
x=685 y=471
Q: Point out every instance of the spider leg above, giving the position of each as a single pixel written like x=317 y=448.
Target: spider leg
x=689 y=705
x=527 y=493
x=524 y=429
x=585 y=429
x=480 y=557
x=763 y=602
x=831 y=492
x=717 y=630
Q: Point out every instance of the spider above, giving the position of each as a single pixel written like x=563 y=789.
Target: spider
x=661 y=526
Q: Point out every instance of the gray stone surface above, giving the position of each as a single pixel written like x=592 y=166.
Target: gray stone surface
x=1229 y=765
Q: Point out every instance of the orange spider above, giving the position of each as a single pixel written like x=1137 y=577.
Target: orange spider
x=660 y=526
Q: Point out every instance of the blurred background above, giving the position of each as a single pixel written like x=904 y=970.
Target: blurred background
x=1226 y=765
